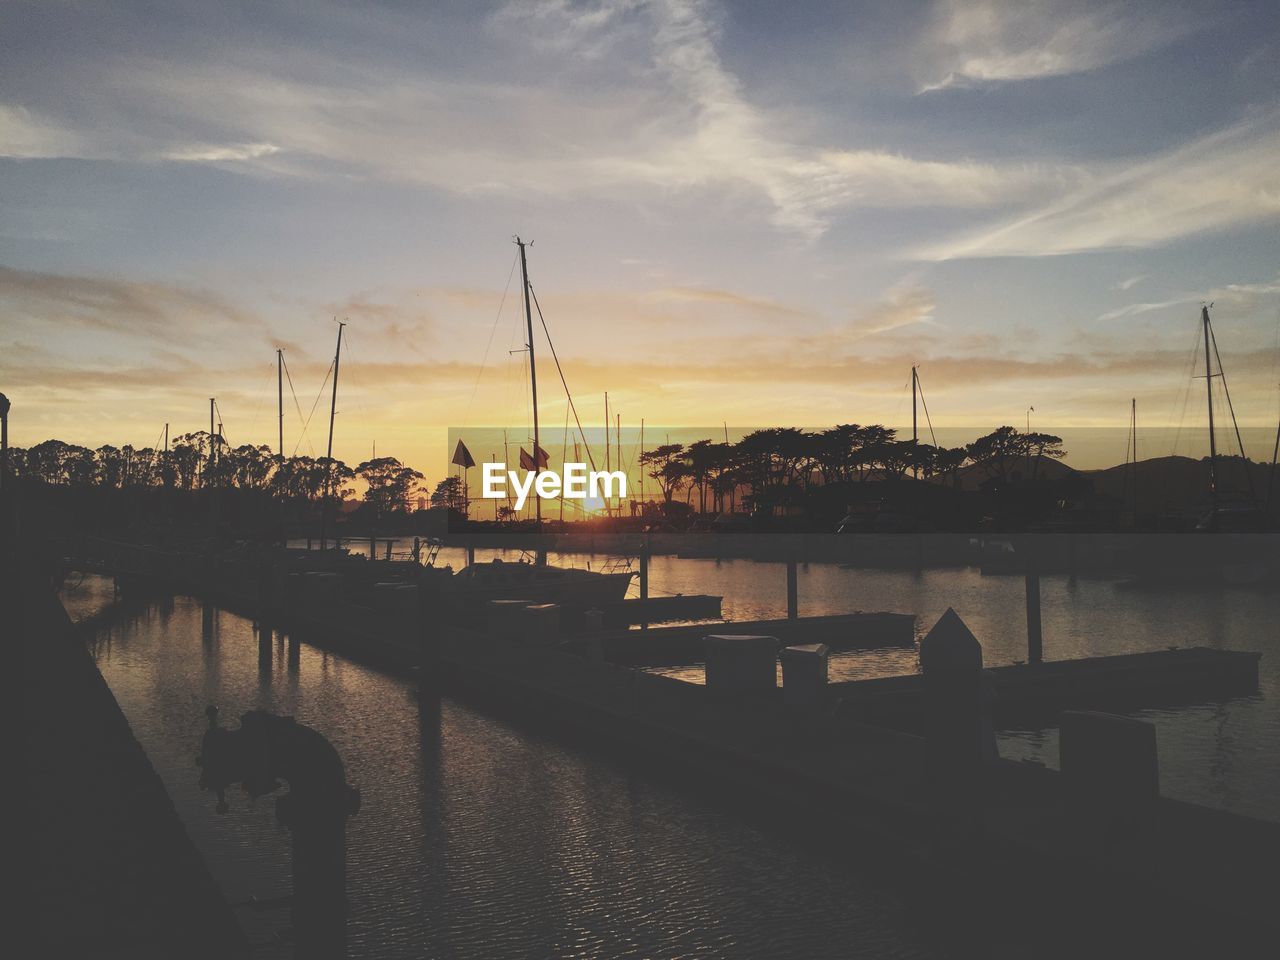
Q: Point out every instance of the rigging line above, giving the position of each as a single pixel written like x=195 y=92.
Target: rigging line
x=925 y=404
x=572 y=405
x=262 y=394
x=1222 y=375
x=298 y=407
x=1188 y=382
x=222 y=432
x=319 y=394
x=466 y=417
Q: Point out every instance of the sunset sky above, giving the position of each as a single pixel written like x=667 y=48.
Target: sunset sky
x=758 y=213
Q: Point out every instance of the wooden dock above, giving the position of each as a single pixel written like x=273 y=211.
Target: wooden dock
x=1032 y=696
x=680 y=645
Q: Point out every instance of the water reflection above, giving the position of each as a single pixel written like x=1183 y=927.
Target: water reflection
x=476 y=839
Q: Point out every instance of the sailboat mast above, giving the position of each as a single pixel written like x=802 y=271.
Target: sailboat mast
x=333 y=409
x=533 y=375
x=1133 y=425
x=608 y=447
x=640 y=454
x=213 y=450
x=915 y=433
x=280 y=398
x=1208 y=385
x=1271 y=477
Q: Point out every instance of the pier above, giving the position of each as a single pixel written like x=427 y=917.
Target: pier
x=115 y=873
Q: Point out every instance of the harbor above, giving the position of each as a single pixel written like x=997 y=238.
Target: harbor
x=863 y=755
x=642 y=480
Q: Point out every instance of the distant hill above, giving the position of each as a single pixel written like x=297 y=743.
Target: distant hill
x=1165 y=484
x=975 y=475
x=1171 y=484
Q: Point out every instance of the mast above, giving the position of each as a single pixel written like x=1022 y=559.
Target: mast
x=1271 y=479
x=915 y=434
x=333 y=409
x=1133 y=426
x=618 y=435
x=280 y=398
x=213 y=454
x=640 y=454
x=608 y=459
x=533 y=376
x=1208 y=385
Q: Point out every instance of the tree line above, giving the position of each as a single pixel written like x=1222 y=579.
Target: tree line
x=766 y=467
x=195 y=461
x=781 y=464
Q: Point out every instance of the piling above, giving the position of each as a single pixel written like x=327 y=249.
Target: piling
x=956 y=737
x=793 y=590
x=644 y=586
x=1035 y=640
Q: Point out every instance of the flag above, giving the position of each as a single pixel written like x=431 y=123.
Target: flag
x=462 y=456
x=526 y=461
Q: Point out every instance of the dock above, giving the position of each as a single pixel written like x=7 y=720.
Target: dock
x=680 y=645
x=1032 y=696
x=107 y=865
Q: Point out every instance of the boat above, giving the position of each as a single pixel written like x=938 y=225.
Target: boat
x=498 y=579
x=1231 y=540
x=536 y=581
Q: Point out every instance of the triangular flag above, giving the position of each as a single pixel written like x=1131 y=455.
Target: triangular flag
x=526 y=461
x=544 y=459
x=462 y=456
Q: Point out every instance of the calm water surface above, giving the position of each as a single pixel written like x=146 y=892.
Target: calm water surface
x=478 y=839
x=1222 y=754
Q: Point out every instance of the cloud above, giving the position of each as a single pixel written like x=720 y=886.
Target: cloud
x=1129 y=282
x=900 y=308
x=972 y=42
x=219 y=153
x=121 y=306
x=25 y=136
x=1226 y=179
x=725 y=297
x=633 y=100
x=1235 y=299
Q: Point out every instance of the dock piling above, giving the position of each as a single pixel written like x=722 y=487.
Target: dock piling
x=956 y=735
x=1035 y=639
x=644 y=585
x=793 y=590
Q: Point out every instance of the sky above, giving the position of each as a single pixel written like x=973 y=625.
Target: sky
x=754 y=213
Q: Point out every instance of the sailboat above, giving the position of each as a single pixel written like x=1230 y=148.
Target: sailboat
x=1228 y=542
x=533 y=579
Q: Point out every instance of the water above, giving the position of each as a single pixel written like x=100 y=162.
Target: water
x=479 y=839
x=476 y=839
x=1221 y=754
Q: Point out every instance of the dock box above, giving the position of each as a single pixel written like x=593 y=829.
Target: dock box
x=741 y=663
